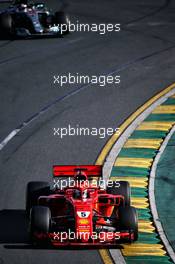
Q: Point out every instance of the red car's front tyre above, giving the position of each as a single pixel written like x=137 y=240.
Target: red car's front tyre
x=128 y=220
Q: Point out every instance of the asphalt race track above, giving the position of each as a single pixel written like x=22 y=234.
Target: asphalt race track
x=142 y=53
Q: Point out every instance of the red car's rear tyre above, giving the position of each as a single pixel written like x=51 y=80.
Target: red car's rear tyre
x=40 y=222
x=128 y=220
x=33 y=191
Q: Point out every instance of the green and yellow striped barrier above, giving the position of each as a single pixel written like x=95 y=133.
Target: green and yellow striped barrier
x=133 y=165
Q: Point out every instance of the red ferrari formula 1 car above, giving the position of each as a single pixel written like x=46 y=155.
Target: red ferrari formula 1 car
x=82 y=211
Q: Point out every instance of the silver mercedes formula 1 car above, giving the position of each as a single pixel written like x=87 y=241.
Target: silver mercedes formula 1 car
x=28 y=19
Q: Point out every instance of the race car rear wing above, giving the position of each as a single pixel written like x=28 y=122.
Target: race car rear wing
x=70 y=170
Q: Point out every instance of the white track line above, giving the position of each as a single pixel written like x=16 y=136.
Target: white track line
x=110 y=160
x=8 y=138
x=152 y=196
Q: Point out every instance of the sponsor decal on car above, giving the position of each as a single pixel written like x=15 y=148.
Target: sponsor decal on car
x=84 y=214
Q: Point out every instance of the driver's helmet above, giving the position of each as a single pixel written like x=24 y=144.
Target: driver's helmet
x=80 y=176
x=77 y=194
